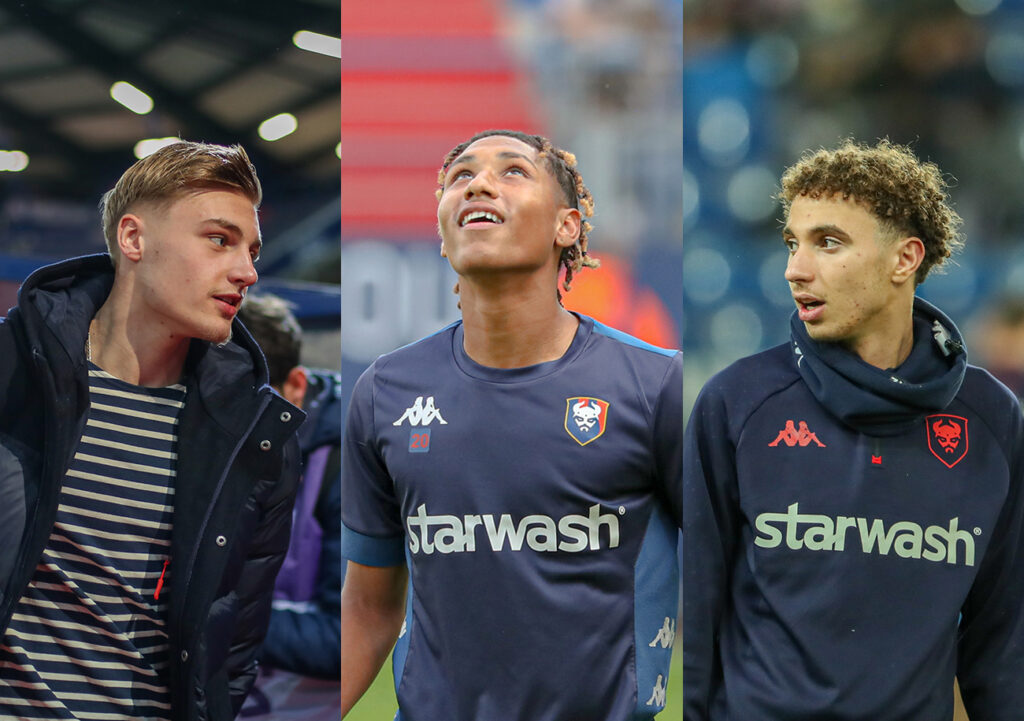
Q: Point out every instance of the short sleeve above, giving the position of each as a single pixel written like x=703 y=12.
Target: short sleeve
x=372 y=532
x=668 y=437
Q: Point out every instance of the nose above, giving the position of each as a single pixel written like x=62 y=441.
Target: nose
x=482 y=183
x=799 y=266
x=243 y=272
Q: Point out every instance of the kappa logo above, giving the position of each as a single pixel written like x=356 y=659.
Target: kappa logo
x=658 y=694
x=947 y=437
x=421 y=413
x=585 y=418
x=666 y=634
x=791 y=435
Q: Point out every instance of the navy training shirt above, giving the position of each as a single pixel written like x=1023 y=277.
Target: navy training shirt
x=538 y=510
x=833 y=575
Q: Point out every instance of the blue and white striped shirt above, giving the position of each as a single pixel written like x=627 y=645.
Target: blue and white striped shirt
x=88 y=638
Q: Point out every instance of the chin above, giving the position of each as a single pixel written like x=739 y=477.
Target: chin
x=223 y=340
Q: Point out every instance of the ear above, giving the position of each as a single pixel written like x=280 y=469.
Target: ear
x=909 y=254
x=294 y=387
x=569 y=225
x=129 y=236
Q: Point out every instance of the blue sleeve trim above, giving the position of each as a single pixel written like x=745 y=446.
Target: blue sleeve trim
x=630 y=340
x=370 y=550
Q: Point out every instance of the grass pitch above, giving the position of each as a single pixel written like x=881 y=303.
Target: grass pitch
x=379 y=704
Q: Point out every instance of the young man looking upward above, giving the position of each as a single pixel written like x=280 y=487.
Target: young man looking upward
x=147 y=469
x=524 y=466
x=849 y=569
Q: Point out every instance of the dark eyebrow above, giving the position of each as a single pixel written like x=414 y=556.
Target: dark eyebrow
x=505 y=155
x=825 y=228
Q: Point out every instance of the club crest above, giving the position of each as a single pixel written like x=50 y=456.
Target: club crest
x=585 y=418
x=947 y=437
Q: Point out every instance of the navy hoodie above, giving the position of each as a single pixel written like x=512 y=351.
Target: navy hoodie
x=852 y=536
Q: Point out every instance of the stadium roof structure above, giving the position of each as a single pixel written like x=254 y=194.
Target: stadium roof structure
x=214 y=69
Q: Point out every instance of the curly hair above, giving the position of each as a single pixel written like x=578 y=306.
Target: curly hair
x=905 y=195
x=562 y=165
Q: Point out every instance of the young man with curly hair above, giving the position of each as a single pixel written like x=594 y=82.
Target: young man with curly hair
x=521 y=469
x=851 y=568
x=147 y=469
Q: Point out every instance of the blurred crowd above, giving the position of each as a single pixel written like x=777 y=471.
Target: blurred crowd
x=764 y=80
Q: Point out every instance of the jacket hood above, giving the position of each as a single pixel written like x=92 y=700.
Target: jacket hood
x=57 y=301
x=888 y=402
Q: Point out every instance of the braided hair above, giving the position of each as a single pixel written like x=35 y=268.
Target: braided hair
x=562 y=165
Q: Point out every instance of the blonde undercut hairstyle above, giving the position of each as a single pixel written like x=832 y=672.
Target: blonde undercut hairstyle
x=172 y=172
x=907 y=197
x=562 y=165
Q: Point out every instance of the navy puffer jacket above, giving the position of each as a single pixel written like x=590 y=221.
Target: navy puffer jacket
x=236 y=479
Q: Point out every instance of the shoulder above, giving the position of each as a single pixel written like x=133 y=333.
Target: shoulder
x=627 y=342
x=433 y=348
x=745 y=385
x=614 y=349
x=758 y=375
x=993 y=403
x=431 y=352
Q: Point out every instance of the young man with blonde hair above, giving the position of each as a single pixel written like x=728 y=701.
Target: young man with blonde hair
x=520 y=469
x=147 y=469
x=853 y=497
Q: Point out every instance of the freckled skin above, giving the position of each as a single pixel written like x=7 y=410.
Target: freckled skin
x=839 y=254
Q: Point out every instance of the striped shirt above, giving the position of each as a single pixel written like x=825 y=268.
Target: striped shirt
x=88 y=638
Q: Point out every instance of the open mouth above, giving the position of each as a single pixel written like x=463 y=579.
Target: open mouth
x=231 y=301
x=480 y=216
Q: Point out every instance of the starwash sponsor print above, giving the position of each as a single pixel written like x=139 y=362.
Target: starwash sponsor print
x=539 y=521
x=851 y=540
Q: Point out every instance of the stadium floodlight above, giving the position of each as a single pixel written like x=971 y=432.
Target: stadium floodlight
x=337 y=149
x=317 y=43
x=278 y=126
x=151 y=145
x=13 y=161
x=131 y=97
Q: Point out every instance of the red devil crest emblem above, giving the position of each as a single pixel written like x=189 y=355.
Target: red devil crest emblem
x=947 y=437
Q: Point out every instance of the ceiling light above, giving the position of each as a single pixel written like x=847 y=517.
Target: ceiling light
x=151 y=145
x=13 y=161
x=317 y=43
x=131 y=97
x=278 y=126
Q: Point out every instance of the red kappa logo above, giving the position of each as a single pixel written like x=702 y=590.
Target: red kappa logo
x=947 y=437
x=793 y=436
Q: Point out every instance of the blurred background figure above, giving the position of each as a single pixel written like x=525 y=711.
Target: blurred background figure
x=997 y=340
x=300 y=662
x=765 y=79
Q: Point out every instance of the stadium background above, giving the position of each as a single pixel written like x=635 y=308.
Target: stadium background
x=600 y=78
x=766 y=79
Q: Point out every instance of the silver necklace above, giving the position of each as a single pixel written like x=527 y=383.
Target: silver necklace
x=88 y=345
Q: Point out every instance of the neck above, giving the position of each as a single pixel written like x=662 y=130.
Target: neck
x=891 y=345
x=512 y=325
x=126 y=346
